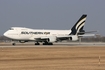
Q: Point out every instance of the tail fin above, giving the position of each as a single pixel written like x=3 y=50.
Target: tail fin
x=78 y=27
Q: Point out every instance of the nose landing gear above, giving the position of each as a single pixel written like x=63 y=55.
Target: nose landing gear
x=14 y=44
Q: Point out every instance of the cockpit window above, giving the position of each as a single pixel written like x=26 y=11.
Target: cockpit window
x=11 y=29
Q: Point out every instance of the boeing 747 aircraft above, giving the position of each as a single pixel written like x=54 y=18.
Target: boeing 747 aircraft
x=47 y=37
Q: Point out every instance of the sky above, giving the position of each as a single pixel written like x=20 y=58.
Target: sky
x=52 y=14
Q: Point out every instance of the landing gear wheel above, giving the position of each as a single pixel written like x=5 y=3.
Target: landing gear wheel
x=37 y=44
x=13 y=44
x=46 y=43
x=50 y=43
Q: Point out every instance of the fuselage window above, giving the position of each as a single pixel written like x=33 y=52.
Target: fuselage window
x=22 y=32
x=11 y=29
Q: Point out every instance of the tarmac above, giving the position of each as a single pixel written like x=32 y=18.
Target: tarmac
x=59 y=44
x=60 y=56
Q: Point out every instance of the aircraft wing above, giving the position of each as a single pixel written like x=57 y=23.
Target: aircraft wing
x=52 y=38
x=61 y=37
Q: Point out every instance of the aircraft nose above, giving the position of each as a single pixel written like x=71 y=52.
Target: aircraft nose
x=5 y=34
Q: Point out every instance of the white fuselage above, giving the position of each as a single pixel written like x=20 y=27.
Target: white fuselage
x=20 y=33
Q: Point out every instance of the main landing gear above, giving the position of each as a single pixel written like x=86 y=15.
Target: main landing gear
x=45 y=43
x=37 y=43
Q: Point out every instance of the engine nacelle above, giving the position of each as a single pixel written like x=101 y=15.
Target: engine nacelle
x=52 y=39
x=74 y=38
x=81 y=32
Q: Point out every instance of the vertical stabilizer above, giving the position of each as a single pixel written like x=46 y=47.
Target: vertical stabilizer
x=78 y=27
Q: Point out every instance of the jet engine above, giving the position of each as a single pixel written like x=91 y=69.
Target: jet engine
x=74 y=38
x=52 y=39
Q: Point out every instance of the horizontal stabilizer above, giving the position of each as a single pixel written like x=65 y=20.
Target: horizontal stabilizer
x=88 y=32
x=87 y=35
